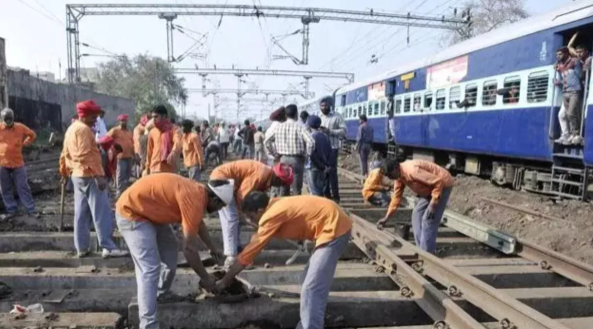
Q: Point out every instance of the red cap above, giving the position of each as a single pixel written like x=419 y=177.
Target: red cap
x=284 y=173
x=122 y=117
x=86 y=108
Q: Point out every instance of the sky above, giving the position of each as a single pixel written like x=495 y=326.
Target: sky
x=35 y=36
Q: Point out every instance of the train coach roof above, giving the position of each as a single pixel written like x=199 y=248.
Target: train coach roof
x=566 y=14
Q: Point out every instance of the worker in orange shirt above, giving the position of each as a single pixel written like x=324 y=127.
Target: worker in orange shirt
x=137 y=135
x=161 y=155
x=81 y=160
x=144 y=214
x=375 y=190
x=433 y=185
x=123 y=137
x=193 y=153
x=13 y=136
x=248 y=175
x=298 y=217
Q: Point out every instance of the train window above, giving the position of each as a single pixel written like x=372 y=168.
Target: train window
x=537 y=87
x=512 y=86
x=407 y=103
x=440 y=99
x=489 y=95
x=343 y=98
x=398 y=105
x=454 y=97
x=364 y=109
x=376 y=109
x=354 y=112
x=427 y=101
x=417 y=102
x=471 y=94
x=382 y=107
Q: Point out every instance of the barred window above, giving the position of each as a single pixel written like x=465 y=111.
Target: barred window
x=471 y=94
x=512 y=86
x=407 y=103
x=428 y=101
x=489 y=95
x=441 y=99
x=382 y=107
x=537 y=87
x=417 y=102
x=376 y=109
x=355 y=112
x=398 y=105
x=454 y=97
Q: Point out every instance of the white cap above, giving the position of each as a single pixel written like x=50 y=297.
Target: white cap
x=224 y=192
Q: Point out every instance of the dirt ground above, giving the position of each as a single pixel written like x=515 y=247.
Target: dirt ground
x=570 y=234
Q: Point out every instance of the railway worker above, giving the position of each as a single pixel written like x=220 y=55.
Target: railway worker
x=212 y=153
x=298 y=217
x=569 y=78
x=375 y=190
x=333 y=125
x=137 y=135
x=144 y=215
x=246 y=135
x=248 y=175
x=193 y=153
x=13 y=136
x=318 y=165
x=161 y=154
x=292 y=144
x=432 y=184
x=258 y=140
x=364 y=143
x=125 y=160
x=81 y=160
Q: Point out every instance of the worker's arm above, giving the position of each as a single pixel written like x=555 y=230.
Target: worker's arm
x=191 y=251
x=571 y=46
x=199 y=150
x=396 y=200
x=29 y=134
x=149 y=146
x=64 y=170
x=205 y=237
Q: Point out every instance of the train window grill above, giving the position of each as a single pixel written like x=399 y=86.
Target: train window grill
x=343 y=99
x=454 y=97
x=407 y=103
x=382 y=107
x=417 y=102
x=441 y=99
x=427 y=101
x=512 y=87
x=471 y=95
x=376 y=109
x=489 y=96
x=398 y=105
x=537 y=87
x=354 y=112
x=359 y=111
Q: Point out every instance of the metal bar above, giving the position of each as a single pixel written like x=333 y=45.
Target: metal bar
x=227 y=71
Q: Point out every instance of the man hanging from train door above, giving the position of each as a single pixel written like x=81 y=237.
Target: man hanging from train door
x=569 y=78
x=334 y=126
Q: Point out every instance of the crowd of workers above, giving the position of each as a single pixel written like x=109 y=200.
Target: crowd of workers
x=263 y=189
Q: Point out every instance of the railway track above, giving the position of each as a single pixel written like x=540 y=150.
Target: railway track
x=487 y=280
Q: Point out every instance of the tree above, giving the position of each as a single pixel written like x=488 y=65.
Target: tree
x=146 y=79
x=487 y=15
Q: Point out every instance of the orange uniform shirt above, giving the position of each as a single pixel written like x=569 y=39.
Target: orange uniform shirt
x=138 y=131
x=125 y=139
x=12 y=140
x=249 y=175
x=193 y=152
x=153 y=151
x=80 y=156
x=373 y=183
x=424 y=178
x=303 y=217
x=165 y=199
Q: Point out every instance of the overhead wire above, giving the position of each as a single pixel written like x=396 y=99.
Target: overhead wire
x=50 y=17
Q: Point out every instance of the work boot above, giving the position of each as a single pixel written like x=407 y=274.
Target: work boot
x=114 y=253
x=576 y=140
x=229 y=261
x=82 y=254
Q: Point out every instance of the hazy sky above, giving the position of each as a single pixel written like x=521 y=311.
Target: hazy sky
x=36 y=40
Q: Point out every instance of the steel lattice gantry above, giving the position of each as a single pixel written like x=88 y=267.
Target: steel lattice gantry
x=241 y=92
x=169 y=12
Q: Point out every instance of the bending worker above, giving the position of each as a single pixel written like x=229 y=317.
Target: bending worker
x=144 y=213
x=296 y=218
x=248 y=175
x=432 y=184
x=374 y=190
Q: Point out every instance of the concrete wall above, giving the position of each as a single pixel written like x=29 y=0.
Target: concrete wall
x=23 y=86
x=3 y=90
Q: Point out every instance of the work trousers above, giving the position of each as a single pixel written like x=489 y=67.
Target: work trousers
x=15 y=177
x=250 y=148
x=318 y=277
x=363 y=152
x=224 y=150
x=194 y=173
x=425 y=230
x=380 y=199
x=154 y=250
x=297 y=163
x=123 y=175
x=238 y=146
x=570 y=114
x=91 y=205
x=316 y=181
x=260 y=155
x=332 y=188
x=229 y=223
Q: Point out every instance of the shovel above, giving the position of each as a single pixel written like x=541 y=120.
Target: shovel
x=62 y=199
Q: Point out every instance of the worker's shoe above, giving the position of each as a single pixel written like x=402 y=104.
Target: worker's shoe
x=114 y=253
x=229 y=261
x=7 y=216
x=576 y=140
x=82 y=254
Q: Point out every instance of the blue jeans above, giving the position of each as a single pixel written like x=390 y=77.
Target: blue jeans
x=229 y=223
x=332 y=189
x=297 y=163
x=318 y=277
x=425 y=230
x=316 y=180
x=124 y=172
x=363 y=152
x=194 y=173
x=154 y=250
x=91 y=204
x=251 y=149
x=17 y=177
